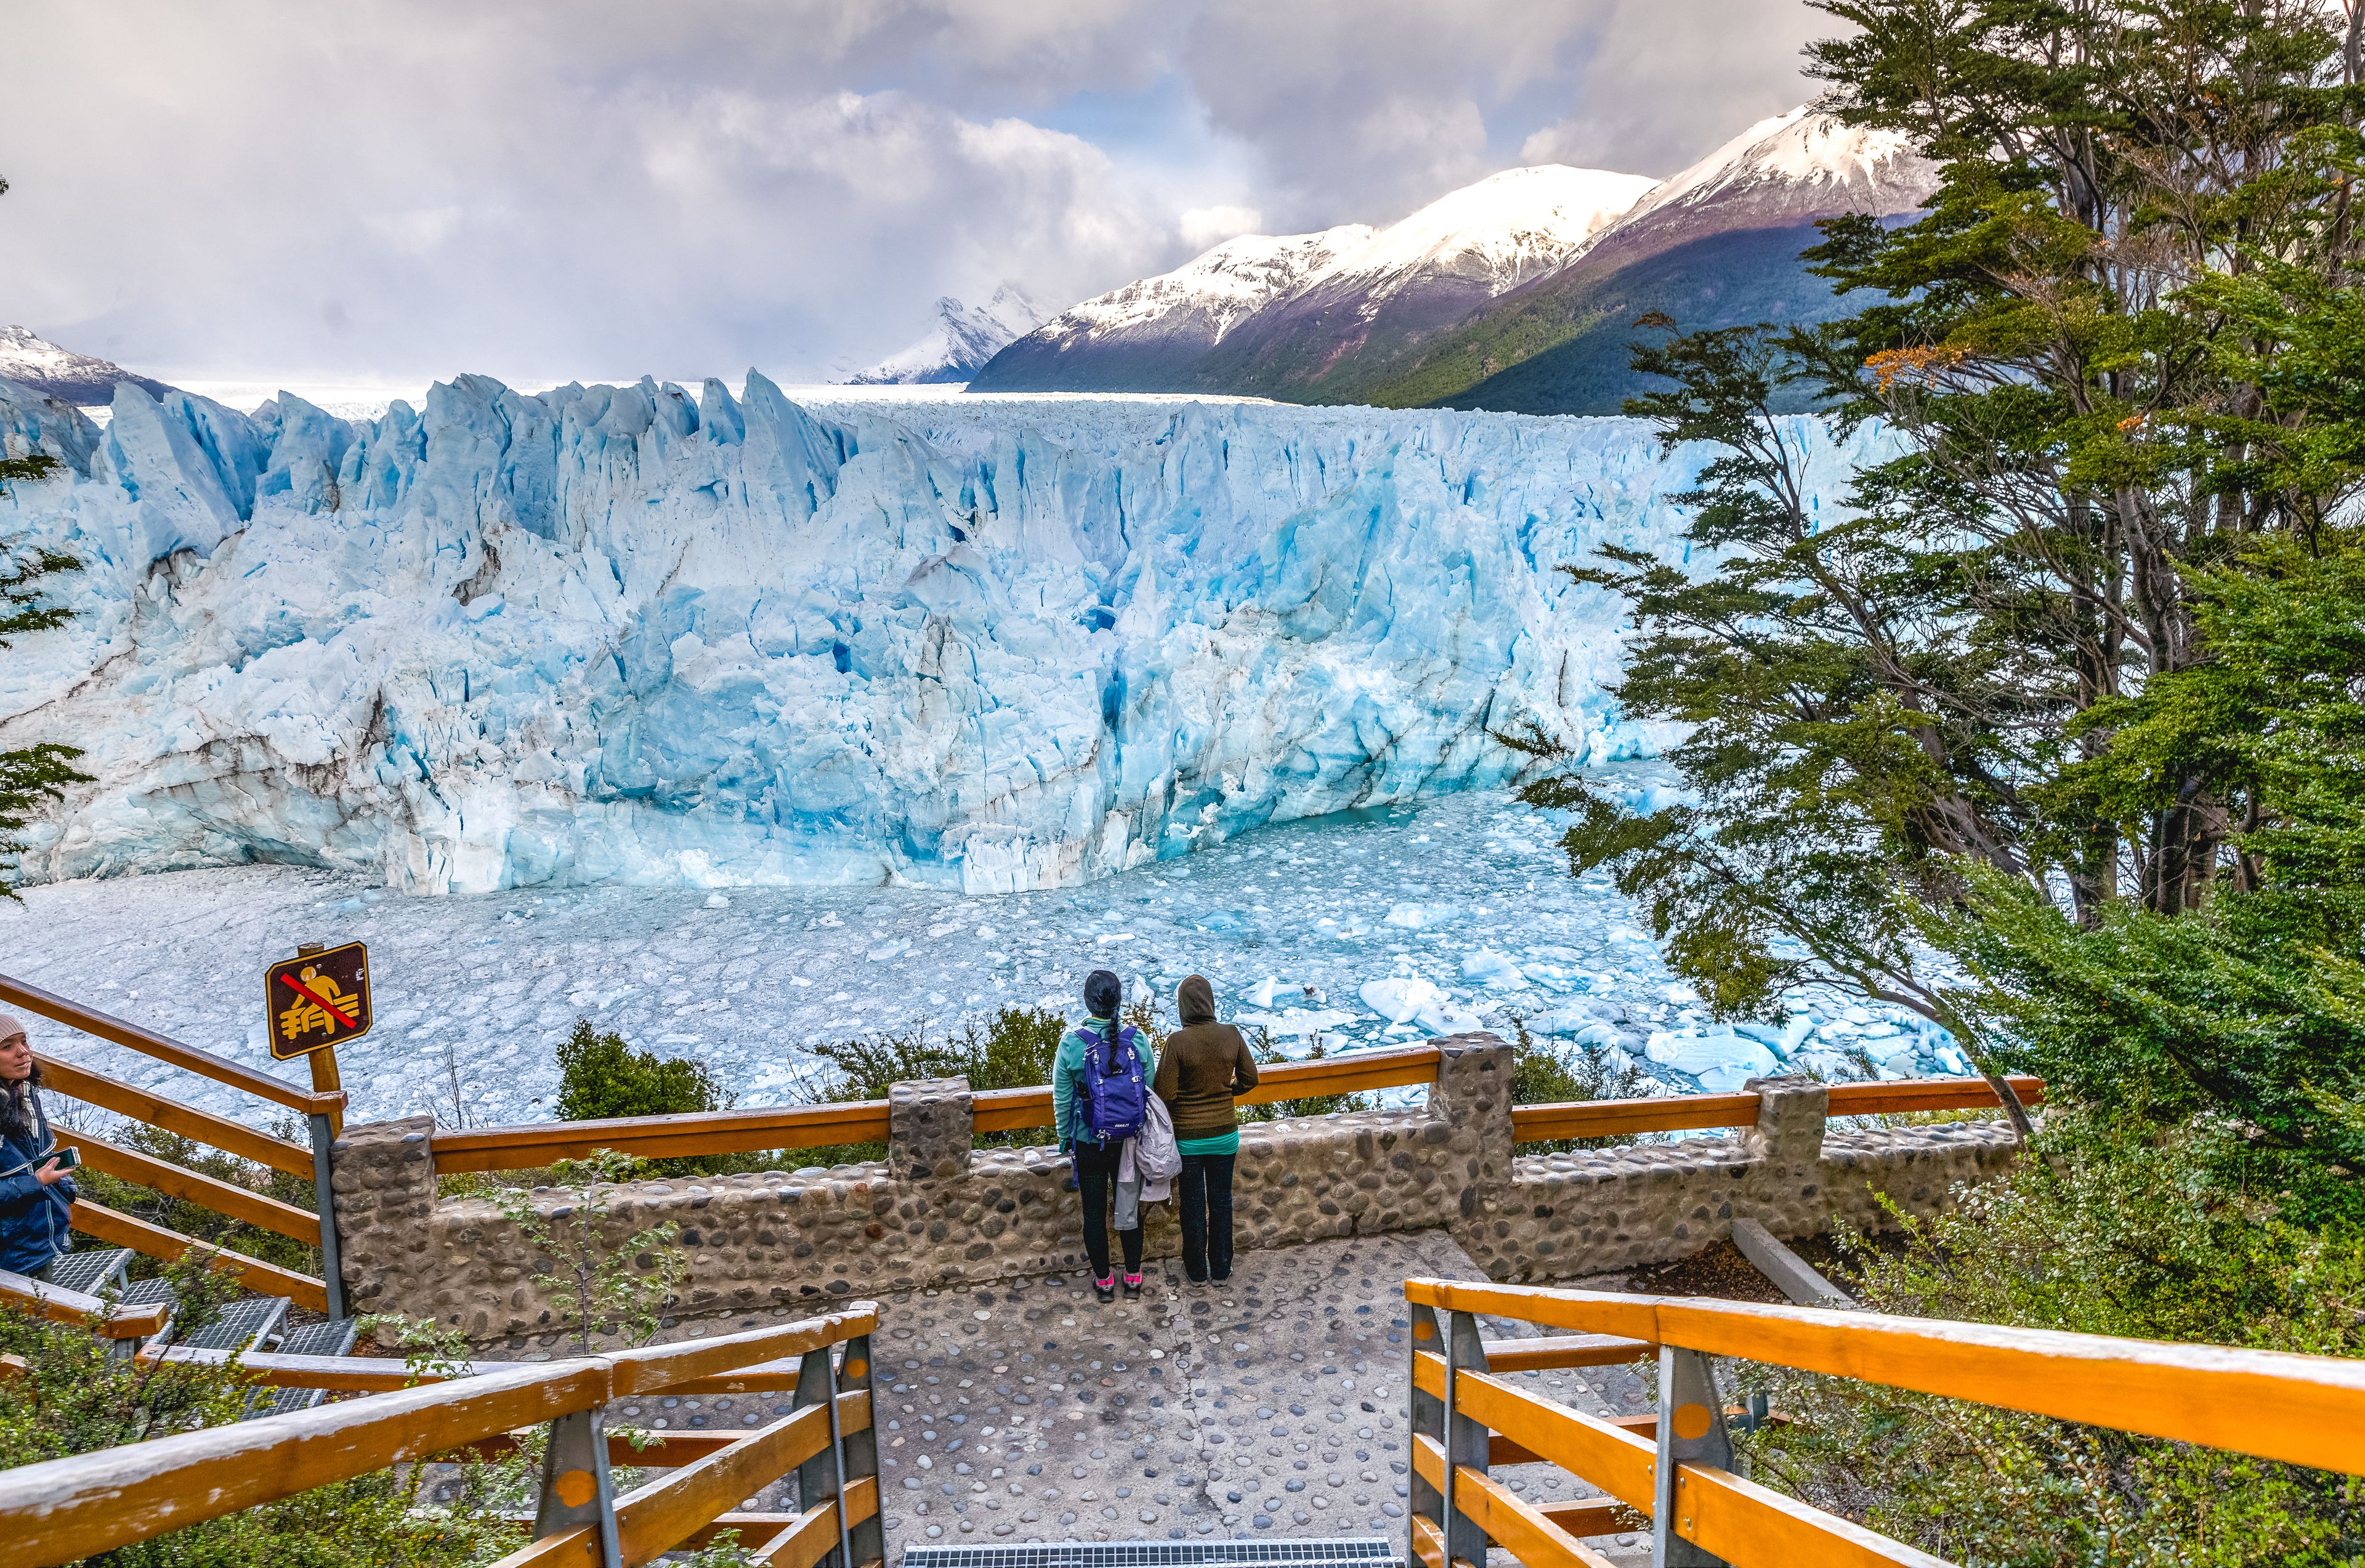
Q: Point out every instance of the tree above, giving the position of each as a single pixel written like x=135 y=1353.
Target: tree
x=36 y=777
x=2081 y=368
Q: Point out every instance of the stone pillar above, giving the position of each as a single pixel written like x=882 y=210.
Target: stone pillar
x=1471 y=1101
x=929 y=1124
x=383 y=1175
x=1786 y=1150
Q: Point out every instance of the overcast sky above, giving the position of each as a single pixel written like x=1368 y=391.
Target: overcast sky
x=412 y=188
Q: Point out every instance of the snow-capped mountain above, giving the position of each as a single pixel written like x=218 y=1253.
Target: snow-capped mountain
x=1151 y=335
x=35 y=361
x=1790 y=168
x=1274 y=316
x=1717 y=245
x=959 y=345
x=1415 y=278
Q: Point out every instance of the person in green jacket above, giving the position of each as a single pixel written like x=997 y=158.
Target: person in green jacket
x=1203 y=1068
x=1096 y=1158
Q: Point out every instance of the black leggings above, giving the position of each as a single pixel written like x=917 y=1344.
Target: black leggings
x=1095 y=1181
x=1204 y=1196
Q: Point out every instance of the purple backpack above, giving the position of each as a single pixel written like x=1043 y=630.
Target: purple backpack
x=1116 y=1102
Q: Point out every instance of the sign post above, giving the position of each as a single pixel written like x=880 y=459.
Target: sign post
x=312 y=1004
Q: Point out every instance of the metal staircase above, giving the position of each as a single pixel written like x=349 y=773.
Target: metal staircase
x=1358 y=1551
x=251 y=1322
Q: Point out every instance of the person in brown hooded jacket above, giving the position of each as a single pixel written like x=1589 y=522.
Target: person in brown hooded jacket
x=1203 y=1066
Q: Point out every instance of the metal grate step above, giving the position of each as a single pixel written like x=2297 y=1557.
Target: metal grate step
x=1365 y=1551
x=332 y=1336
x=93 y=1272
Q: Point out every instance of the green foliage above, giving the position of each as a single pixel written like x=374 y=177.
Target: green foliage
x=600 y=1285
x=600 y=1076
x=75 y=1397
x=2123 y=1229
x=1014 y=1050
x=194 y=1219
x=1543 y=1073
x=32 y=778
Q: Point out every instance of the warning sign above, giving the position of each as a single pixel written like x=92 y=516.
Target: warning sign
x=317 y=999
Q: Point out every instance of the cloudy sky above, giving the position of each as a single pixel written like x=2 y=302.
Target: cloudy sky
x=391 y=189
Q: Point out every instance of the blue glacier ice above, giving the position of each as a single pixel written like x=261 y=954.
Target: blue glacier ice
x=639 y=634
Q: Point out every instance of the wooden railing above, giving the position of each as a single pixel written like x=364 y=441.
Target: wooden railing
x=63 y=1510
x=534 y=1145
x=324 y=1293
x=2308 y=1410
x=1682 y=1112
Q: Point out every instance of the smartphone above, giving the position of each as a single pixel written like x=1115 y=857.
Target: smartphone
x=65 y=1158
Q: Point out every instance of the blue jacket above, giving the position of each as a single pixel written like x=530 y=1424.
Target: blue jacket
x=34 y=1220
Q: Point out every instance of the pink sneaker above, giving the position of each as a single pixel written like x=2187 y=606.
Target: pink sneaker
x=1132 y=1285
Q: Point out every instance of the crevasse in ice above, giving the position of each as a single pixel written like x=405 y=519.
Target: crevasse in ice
x=628 y=633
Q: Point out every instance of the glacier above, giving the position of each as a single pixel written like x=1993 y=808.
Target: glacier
x=638 y=634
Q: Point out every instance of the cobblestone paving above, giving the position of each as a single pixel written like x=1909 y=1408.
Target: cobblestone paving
x=1269 y=1405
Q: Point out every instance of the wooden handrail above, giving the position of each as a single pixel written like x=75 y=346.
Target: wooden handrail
x=1008 y=1110
x=62 y=1305
x=222 y=1197
x=1680 y=1113
x=103 y=1224
x=64 y=1509
x=2300 y=1409
x=146 y=1042
x=536 y=1144
x=61 y=1510
x=98 y=1088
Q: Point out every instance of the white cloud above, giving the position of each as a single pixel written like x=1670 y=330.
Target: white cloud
x=399 y=188
x=1204 y=227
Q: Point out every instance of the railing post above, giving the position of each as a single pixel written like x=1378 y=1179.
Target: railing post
x=324 y=1197
x=1424 y=1418
x=576 y=1490
x=1466 y=1442
x=1691 y=1431
x=867 y=1541
x=824 y=1475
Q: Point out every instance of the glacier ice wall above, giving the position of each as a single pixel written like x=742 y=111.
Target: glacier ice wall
x=628 y=633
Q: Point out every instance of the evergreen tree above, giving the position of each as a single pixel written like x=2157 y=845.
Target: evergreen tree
x=2109 y=356
x=32 y=778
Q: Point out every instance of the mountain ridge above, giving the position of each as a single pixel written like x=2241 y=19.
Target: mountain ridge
x=83 y=380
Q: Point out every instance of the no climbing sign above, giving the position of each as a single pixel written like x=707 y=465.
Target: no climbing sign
x=317 y=999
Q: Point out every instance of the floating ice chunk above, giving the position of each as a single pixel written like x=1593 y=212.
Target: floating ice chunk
x=1726 y=1080
x=1400 y=998
x=1696 y=1053
x=1491 y=969
x=1952 y=1060
x=1295 y=1021
x=886 y=950
x=1420 y=916
x=1563 y=1021
x=1260 y=993
x=1548 y=976
x=716 y=901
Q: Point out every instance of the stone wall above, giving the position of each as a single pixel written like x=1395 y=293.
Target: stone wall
x=937 y=1212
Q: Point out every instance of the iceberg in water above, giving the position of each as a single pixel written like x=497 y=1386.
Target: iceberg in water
x=647 y=633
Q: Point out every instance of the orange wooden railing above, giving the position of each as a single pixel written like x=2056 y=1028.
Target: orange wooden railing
x=532 y=1145
x=63 y=1510
x=322 y=1294
x=2306 y=1410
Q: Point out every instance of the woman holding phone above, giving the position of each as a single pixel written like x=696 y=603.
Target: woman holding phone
x=36 y=1194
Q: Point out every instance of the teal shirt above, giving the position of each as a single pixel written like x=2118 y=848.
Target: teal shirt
x=1067 y=1077
x=1222 y=1143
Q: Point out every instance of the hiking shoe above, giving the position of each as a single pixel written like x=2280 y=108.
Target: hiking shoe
x=1105 y=1289
x=1132 y=1286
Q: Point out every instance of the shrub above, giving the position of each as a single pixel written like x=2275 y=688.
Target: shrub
x=2116 y=1229
x=600 y=1076
x=194 y=1219
x=1546 y=1074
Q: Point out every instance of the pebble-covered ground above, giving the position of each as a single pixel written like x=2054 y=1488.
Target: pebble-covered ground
x=1272 y=1405
x=1358 y=931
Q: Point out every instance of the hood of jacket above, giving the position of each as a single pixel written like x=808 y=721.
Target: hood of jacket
x=1197 y=1000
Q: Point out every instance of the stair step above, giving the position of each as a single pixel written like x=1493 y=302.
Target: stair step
x=332 y=1337
x=92 y=1272
x=243 y=1325
x=1361 y=1552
